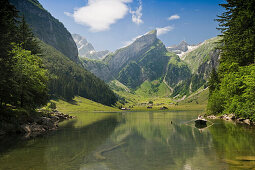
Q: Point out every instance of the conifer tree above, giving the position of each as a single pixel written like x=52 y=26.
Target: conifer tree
x=26 y=37
x=8 y=32
x=237 y=25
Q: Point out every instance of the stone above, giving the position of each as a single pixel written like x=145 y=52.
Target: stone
x=26 y=128
x=211 y=117
x=247 y=121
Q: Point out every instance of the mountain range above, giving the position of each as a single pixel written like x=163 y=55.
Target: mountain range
x=182 y=68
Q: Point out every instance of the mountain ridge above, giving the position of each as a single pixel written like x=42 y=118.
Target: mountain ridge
x=86 y=49
x=147 y=59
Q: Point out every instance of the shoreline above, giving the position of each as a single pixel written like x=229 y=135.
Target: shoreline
x=233 y=118
x=34 y=125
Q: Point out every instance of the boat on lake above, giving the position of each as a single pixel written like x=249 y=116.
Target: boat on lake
x=200 y=122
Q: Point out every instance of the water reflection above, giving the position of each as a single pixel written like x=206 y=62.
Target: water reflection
x=135 y=141
x=235 y=144
x=63 y=149
x=152 y=142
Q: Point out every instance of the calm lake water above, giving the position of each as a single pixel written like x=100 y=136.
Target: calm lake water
x=134 y=141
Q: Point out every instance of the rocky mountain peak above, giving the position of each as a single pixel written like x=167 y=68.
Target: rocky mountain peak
x=147 y=38
x=182 y=47
x=86 y=49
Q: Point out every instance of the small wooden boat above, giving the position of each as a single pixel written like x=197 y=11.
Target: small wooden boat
x=200 y=122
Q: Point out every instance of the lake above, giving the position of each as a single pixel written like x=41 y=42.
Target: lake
x=134 y=140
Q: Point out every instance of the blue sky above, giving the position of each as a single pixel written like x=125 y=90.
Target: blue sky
x=111 y=24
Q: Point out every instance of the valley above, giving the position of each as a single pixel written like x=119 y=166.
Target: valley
x=147 y=71
x=77 y=91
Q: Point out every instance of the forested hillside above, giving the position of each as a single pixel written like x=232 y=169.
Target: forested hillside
x=232 y=86
x=66 y=78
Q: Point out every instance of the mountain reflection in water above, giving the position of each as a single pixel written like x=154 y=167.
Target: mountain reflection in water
x=139 y=140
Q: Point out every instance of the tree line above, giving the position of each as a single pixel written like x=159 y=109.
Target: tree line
x=23 y=81
x=32 y=71
x=232 y=86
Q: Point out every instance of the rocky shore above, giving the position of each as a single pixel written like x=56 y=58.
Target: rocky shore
x=232 y=117
x=35 y=125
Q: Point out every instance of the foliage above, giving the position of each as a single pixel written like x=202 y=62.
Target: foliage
x=214 y=81
x=23 y=80
x=232 y=89
x=237 y=26
x=30 y=79
x=236 y=93
x=26 y=38
x=67 y=79
x=8 y=34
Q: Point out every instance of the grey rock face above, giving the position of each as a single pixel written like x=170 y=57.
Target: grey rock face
x=86 y=49
x=213 y=62
x=47 y=28
x=182 y=47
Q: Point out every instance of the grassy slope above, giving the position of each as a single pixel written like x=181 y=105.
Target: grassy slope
x=80 y=105
x=153 y=89
x=136 y=100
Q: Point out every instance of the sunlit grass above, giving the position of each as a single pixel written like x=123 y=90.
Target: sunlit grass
x=81 y=105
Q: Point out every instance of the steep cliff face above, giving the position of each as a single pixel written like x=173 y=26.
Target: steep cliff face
x=47 y=28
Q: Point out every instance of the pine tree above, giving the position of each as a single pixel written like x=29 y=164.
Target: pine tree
x=213 y=81
x=237 y=25
x=26 y=37
x=232 y=90
x=8 y=32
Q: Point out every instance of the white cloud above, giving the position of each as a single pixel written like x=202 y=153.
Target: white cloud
x=164 y=30
x=68 y=14
x=174 y=17
x=137 y=14
x=100 y=14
